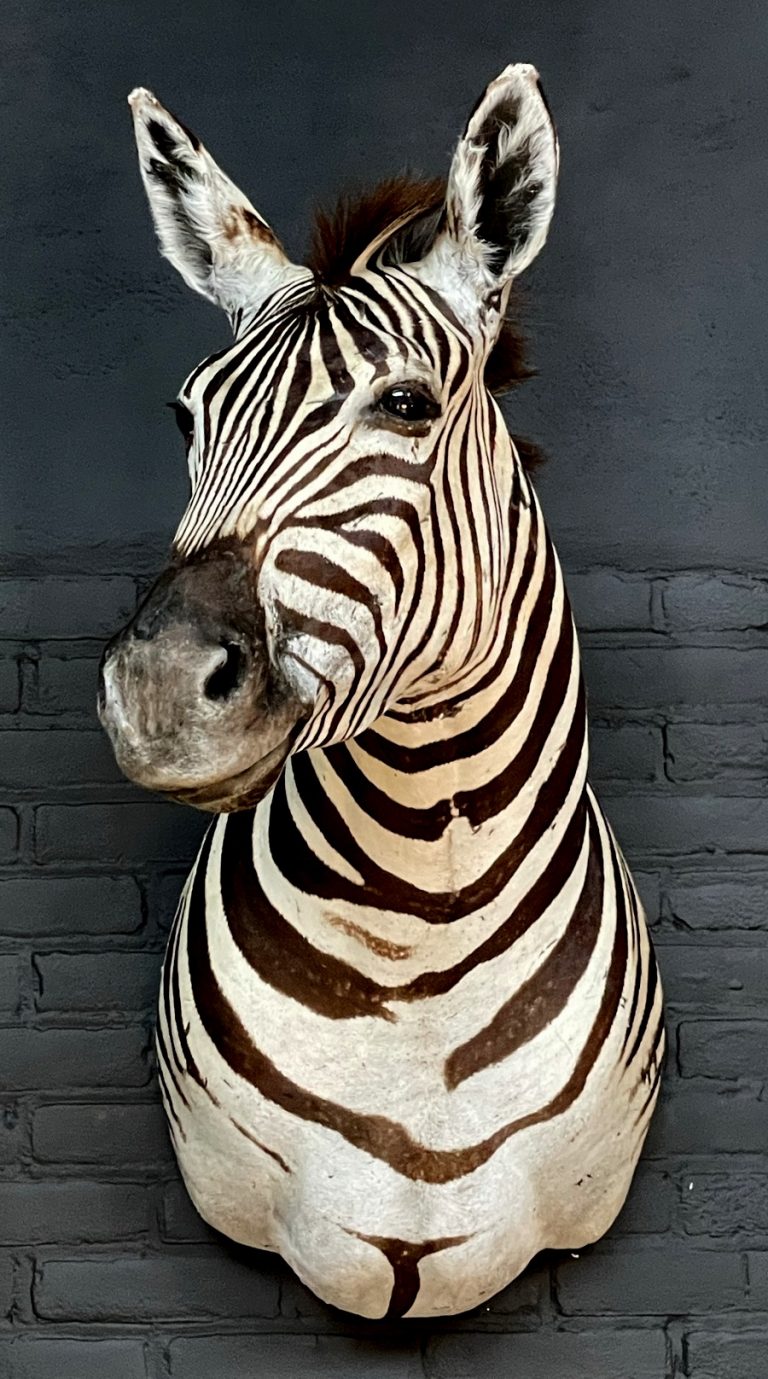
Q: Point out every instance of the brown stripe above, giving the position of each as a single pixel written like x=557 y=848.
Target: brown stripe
x=289 y=963
x=174 y=1013
x=163 y=1061
x=478 y=805
x=322 y=573
x=382 y=947
x=167 y=1098
x=377 y=1135
x=324 y=632
x=294 y=857
x=273 y=947
x=650 y=997
x=405 y=1257
x=542 y=998
x=273 y=1154
x=654 y=1078
x=430 y=754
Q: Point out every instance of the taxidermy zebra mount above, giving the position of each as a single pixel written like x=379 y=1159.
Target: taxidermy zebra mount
x=410 y=1026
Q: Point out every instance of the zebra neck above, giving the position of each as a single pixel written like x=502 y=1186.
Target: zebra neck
x=446 y=813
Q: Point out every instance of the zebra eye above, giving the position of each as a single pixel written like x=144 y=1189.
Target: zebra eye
x=185 y=422
x=408 y=402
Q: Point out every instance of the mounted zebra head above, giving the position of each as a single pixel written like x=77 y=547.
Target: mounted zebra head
x=354 y=492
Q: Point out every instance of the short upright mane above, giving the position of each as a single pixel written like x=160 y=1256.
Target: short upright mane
x=408 y=204
x=341 y=233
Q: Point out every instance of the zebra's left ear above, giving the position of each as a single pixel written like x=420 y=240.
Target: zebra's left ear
x=500 y=195
x=206 y=226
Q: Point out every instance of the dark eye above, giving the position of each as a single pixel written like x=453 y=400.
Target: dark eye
x=408 y=403
x=185 y=422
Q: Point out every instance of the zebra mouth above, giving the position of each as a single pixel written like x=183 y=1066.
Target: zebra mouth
x=242 y=790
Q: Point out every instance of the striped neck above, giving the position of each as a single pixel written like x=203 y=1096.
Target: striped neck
x=447 y=808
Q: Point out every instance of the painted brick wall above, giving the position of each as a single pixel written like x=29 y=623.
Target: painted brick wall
x=650 y=342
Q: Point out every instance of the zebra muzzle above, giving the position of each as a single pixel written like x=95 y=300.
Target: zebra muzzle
x=188 y=696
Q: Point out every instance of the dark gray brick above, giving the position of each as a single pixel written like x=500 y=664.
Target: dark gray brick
x=757 y=1264
x=101 y=1134
x=66 y=686
x=520 y=1303
x=548 y=1355
x=165 y=898
x=719 y=980
x=626 y=751
x=54 y=757
x=719 y=902
x=605 y=600
x=723 y=1049
x=10 y=972
x=61 y=607
x=69 y=905
x=67 y=1212
x=726 y=1355
x=675 y=825
x=656 y=677
x=73 y=1058
x=117 y=833
x=9 y=684
x=11 y=1132
x=724 y=1204
x=715 y=603
x=621 y=1278
x=708 y=1120
x=293 y=1357
x=9 y=833
x=180 y=1220
x=97 y=981
x=650 y=1204
x=153 y=1286
x=716 y=752
x=64 y=1358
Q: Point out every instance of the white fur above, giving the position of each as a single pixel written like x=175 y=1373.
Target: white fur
x=458 y=264
x=245 y=268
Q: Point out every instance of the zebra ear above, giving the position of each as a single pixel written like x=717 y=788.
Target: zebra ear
x=501 y=191
x=206 y=227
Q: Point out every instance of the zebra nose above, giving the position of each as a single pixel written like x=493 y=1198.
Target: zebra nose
x=154 y=688
x=189 y=697
x=227 y=675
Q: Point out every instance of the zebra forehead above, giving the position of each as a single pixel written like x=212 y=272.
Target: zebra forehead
x=324 y=332
x=411 y=208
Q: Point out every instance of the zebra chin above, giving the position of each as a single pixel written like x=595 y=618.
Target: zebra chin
x=241 y=791
x=186 y=766
x=177 y=770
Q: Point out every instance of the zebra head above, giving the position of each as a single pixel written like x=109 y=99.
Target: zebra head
x=353 y=488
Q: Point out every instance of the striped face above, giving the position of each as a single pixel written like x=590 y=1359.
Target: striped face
x=354 y=492
x=337 y=443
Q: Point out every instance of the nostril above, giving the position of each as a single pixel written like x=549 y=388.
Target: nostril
x=226 y=677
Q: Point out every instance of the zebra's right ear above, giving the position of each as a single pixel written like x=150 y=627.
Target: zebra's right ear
x=500 y=195
x=206 y=226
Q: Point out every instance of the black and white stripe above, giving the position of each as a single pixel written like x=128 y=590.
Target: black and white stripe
x=410 y=1027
